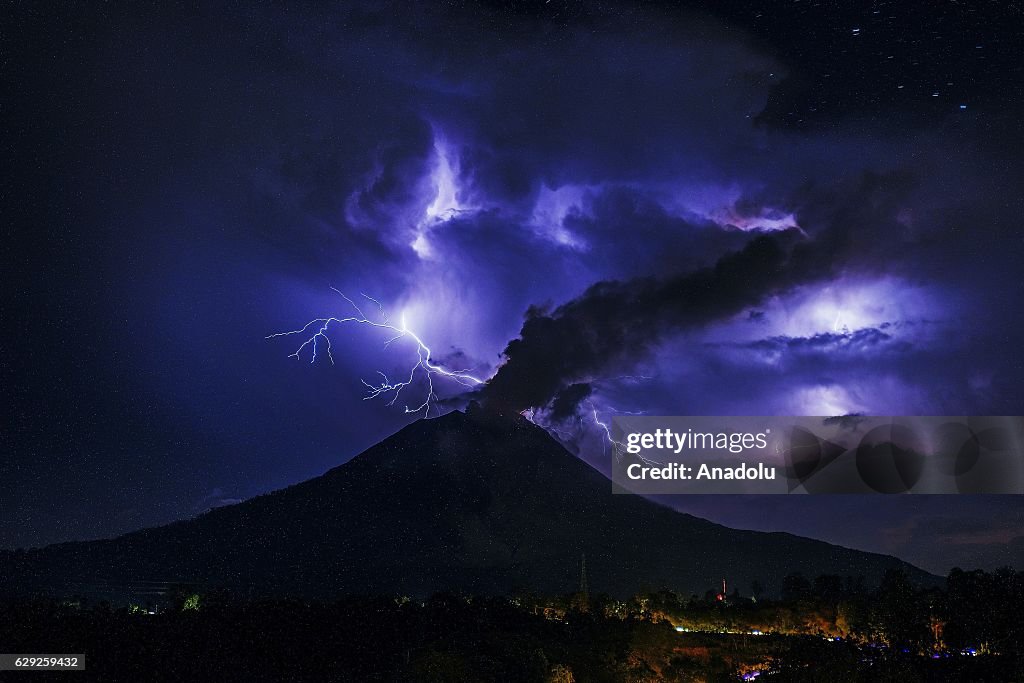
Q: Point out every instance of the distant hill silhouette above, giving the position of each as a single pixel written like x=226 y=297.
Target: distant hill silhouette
x=474 y=503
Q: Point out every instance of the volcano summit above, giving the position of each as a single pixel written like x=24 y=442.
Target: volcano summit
x=470 y=502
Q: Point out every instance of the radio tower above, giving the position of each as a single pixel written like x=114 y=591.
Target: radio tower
x=584 y=590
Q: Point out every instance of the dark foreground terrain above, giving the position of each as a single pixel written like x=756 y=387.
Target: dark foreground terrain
x=822 y=630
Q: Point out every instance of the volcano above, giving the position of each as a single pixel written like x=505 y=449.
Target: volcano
x=470 y=502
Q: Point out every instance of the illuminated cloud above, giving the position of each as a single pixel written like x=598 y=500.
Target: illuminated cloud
x=447 y=202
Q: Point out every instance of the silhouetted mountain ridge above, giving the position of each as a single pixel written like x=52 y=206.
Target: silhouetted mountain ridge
x=472 y=502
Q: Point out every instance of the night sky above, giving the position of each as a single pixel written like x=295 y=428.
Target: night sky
x=772 y=208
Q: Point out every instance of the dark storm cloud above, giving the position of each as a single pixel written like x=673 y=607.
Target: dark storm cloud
x=864 y=341
x=845 y=422
x=392 y=190
x=218 y=169
x=616 y=320
x=566 y=402
x=616 y=323
x=629 y=233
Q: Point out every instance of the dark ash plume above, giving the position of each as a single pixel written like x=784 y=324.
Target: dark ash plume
x=617 y=322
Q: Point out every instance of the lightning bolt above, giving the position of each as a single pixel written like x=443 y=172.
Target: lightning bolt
x=588 y=419
x=317 y=331
x=318 y=328
x=618 y=448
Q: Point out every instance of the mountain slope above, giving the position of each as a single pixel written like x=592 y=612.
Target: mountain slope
x=468 y=502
